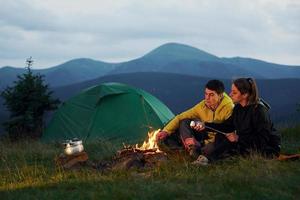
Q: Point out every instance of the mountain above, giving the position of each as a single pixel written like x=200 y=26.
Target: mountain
x=172 y=52
x=180 y=92
x=75 y=71
x=187 y=60
x=270 y=70
x=182 y=59
x=164 y=55
x=70 y=72
x=8 y=75
x=169 y=58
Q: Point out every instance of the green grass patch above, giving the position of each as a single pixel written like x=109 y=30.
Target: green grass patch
x=27 y=171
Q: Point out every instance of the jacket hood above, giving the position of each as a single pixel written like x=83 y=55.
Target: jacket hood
x=226 y=100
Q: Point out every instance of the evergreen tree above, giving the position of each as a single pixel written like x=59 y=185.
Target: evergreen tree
x=27 y=101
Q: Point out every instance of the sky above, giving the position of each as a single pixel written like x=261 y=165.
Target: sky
x=55 y=31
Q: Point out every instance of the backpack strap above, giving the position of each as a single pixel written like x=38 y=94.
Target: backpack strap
x=264 y=103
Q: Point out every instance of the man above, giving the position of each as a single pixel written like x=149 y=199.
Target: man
x=216 y=107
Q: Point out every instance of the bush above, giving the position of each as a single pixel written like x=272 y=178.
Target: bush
x=27 y=101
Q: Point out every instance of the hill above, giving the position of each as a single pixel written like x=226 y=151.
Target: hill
x=8 y=75
x=179 y=92
x=183 y=59
x=168 y=58
x=70 y=72
x=269 y=70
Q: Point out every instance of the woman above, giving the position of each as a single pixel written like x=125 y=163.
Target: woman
x=249 y=128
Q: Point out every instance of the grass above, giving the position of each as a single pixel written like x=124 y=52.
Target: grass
x=27 y=171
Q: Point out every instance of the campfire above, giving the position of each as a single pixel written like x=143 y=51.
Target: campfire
x=151 y=143
x=147 y=155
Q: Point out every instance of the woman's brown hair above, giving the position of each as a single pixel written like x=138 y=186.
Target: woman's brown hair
x=247 y=86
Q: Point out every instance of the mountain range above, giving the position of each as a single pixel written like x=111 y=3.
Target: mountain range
x=180 y=92
x=176 y=74
x=168 y=58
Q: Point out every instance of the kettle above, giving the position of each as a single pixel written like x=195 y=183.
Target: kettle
x=73 y=146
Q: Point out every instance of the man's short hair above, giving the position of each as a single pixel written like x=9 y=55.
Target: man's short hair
x=216 y=86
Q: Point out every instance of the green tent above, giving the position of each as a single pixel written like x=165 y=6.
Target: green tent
x=108 y=111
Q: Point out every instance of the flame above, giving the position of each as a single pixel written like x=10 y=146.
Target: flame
x=151 y=143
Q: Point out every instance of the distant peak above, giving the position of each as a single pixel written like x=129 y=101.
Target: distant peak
x=7 y=67
x=79 y=60
x=180 y=50
x=11 y=68
x=174 y=45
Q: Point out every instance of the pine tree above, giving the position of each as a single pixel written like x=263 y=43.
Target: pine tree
x=28 y=100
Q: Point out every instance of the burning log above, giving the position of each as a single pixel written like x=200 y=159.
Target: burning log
x=146 y=156
x=128 y=158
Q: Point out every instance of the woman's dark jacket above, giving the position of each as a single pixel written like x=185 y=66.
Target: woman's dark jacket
x=253 y=126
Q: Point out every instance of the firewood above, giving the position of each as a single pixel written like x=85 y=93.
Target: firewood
x=130 y=157
x=69 y=161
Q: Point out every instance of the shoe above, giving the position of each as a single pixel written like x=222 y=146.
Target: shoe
x=201 y=161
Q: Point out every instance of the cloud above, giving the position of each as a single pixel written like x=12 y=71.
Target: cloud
x=55 y=31
x=26 y=16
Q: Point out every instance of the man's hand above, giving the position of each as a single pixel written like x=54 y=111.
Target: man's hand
x=161 y=135
x=197 y=125
x=232 y=137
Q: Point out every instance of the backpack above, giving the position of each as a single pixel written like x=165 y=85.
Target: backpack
x=274 y=143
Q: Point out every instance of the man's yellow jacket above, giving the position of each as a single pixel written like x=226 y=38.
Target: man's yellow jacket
x=203 y=113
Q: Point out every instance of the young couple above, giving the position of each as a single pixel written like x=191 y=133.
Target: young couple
x=243 y=117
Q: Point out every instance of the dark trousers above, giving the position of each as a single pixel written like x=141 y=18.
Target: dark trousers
x=186 y=132
x=177 y=139
x=222 y=147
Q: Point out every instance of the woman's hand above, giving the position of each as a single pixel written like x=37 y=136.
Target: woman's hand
x=232 y=137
